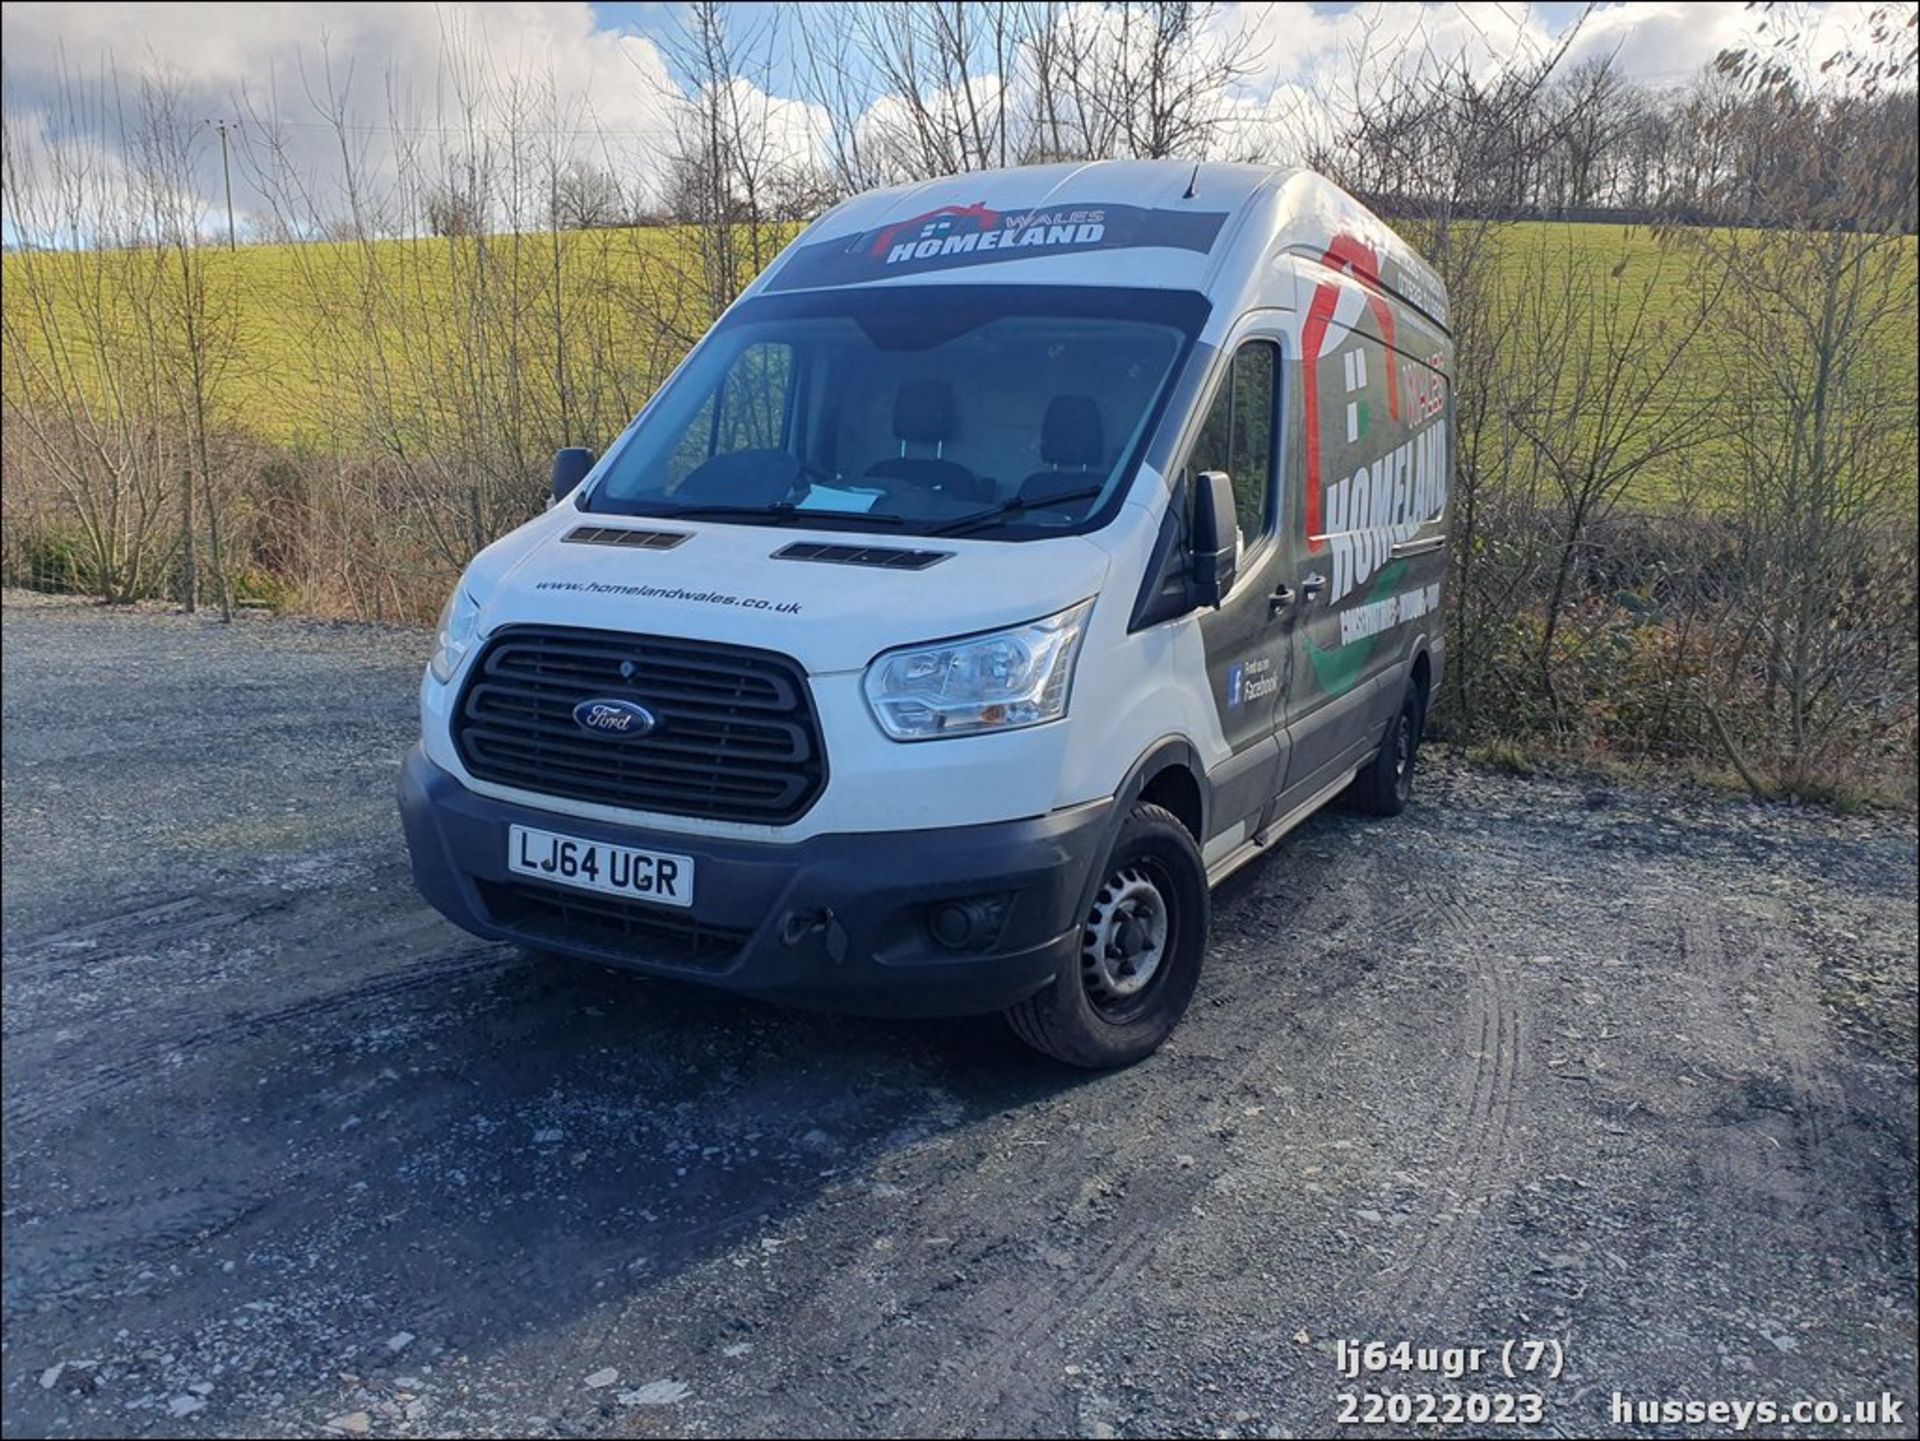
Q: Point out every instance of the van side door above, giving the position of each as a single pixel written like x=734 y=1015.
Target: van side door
x=1245 y=639
x=1368 y=533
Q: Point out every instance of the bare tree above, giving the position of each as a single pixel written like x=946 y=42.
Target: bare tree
x=587 y=197
x=87 y=407
x=1600 y=109
x=949 y=84
x=953 y=87
x=1159 y=77
x=729 y=166
x=457 y=357
x=456 y=206
x=1607 y=361
x=189 y=317
x=1820 y=297
x=1446 y=147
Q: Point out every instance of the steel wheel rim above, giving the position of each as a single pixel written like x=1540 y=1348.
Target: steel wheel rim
x=1126 y=941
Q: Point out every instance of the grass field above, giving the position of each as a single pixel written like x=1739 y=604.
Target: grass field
x=335 y=345
x=307 y=335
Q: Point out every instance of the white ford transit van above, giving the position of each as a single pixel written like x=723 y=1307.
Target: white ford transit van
x=1021 y=553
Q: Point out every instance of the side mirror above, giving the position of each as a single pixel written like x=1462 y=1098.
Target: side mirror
x=1216 y=538
x=570 y=467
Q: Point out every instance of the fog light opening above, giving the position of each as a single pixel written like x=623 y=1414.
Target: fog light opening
x=967 y=924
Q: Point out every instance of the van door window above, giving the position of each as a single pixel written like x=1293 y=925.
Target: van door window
x=746 y=411
x=1237 y=437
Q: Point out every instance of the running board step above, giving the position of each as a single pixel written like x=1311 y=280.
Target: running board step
x=1260 y=840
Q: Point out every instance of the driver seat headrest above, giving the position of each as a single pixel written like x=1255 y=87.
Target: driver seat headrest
x=1070 y=432
x=923 y=412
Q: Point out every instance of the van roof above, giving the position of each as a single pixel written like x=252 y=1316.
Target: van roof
x=1162 y=224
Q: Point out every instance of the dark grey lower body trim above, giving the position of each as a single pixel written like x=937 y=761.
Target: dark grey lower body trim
x=836 y=921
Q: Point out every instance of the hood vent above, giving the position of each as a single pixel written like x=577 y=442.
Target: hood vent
x=882 y=557
x=626 y=536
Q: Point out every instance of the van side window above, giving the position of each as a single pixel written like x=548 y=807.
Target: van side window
x=746 y=411
x=753 y=399
x=1237 y=436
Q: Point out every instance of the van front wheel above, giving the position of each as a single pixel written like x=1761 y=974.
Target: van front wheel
x=1141 y=946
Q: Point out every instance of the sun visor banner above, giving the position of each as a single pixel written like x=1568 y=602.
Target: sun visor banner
x=962 y=235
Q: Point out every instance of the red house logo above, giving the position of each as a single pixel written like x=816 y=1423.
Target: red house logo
x=934 y=225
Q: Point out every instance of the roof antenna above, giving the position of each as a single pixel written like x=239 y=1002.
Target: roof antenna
x=1192 y=180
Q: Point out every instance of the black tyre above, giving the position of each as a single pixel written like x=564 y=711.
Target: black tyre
x=1386 y=785
x=1142 y=945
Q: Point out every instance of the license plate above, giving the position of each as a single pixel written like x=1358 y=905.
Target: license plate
x=651 y=876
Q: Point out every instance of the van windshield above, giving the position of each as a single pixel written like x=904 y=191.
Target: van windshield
x=1010 y=412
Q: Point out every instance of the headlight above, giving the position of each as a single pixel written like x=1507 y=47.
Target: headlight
x=1011 y=678
x=459 y=622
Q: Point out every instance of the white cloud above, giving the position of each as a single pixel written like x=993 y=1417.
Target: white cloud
x=1657 y=42
x=461 y=73
x=1313 y=65
x=780 y=133
x=1667 y=42
x=1328 y=51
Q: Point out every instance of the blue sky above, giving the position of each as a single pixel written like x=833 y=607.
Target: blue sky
x=638 y=17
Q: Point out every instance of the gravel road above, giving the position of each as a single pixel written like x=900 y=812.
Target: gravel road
x=1629 y=1071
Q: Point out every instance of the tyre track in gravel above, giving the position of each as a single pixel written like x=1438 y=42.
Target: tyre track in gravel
x=1159 y=1201
x=1475 y=1157
x=1420 y=1285
x=1414 y=1287
x=1794 y=1027
x=1156 y=1202
x=1782 y=1014
x=50 y=953
x=1010 y=1371
x=168 y=1051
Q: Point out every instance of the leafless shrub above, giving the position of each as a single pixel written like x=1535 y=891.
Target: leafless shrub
x=455 y=355
x=1825 y=416
x=93 y=404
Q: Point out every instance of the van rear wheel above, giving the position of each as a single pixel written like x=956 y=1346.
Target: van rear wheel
x=1142 y=944
x=1386 y=785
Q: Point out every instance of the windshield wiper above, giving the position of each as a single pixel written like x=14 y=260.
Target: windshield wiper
x=982 y=518
x=780 y=512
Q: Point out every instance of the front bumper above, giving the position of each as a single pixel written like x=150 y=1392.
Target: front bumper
x=835 y=921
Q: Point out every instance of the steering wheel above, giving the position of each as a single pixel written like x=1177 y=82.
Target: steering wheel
x=760 y=475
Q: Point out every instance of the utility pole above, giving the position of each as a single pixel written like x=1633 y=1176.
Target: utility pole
x=226 y=169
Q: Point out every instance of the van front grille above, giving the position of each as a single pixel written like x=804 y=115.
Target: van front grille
x=735 y=737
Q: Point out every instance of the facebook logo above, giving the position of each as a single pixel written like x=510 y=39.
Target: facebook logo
x=1235 y=684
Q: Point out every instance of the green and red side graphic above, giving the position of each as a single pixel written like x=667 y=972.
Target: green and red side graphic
x=1354 y=257
x=1336 y=670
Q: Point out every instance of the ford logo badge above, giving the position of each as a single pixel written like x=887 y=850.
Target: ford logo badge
x=620 y=719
